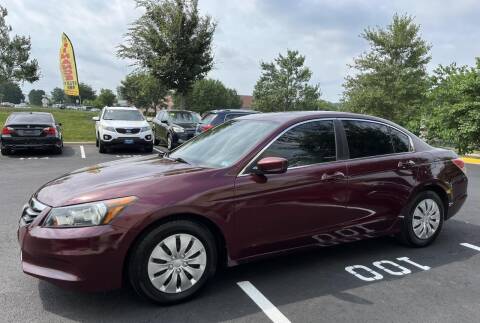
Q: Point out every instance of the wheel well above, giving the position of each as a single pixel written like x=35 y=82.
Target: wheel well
x=441 y=193
x=211 y=226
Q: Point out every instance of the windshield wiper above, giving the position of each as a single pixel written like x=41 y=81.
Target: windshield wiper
x=177 y=159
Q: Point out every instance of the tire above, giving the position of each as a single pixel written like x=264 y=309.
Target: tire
x=421 y=228
x=101 y=147
x=96 y=141
x=58 y=150
x=149 y=148
x=170 y=144
x=140 y=268
x=5 y=151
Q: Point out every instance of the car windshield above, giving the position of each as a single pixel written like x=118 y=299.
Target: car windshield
x=181 y=117
x=224 y=145
x=126 y=115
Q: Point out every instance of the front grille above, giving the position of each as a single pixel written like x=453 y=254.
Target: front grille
x=31 y=211
x=128 y=130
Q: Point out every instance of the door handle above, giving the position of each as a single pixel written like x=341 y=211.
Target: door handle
x=406 y=164
x=336 y=175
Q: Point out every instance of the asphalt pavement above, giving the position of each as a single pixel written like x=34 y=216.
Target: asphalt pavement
x=377 y=280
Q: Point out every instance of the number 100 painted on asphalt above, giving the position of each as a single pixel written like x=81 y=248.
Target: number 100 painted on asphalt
x=369 y=275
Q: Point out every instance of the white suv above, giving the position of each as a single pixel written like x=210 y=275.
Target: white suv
x=122 y=126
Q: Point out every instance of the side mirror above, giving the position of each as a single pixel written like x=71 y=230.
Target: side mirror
x=96 y=118
x=272 y=165
x=149 y=119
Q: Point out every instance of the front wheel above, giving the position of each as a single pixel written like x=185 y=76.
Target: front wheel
x=102 y=149
x=173 y=262
x=424 y=221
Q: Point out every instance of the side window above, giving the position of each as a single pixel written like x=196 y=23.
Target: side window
x=306 y=144
x=367 y=139
x=400 y=141
x=231 y=116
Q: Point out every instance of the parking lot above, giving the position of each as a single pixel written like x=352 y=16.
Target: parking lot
x=377 y=280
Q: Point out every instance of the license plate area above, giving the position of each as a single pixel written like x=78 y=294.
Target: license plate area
x=128 y=141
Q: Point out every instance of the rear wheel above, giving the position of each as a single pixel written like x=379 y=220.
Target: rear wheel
x=173 y=262
x=424 y=221
x=5 y=151
x=96 y=141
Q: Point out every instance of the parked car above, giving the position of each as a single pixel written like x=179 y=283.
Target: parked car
x=174 y=127
x=252 y=187
x=216 y=117
x=31 y=130
x=122 y=126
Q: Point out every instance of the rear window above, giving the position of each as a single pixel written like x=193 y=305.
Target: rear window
x=30 y=118
x=207 y=119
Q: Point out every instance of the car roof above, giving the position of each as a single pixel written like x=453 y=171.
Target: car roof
x=233 y=110
x=298 y=116
x=121 y=108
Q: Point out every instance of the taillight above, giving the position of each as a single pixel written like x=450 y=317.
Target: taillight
x=50 y=131
x=460 y=164
x=7 y=131
x=206 y=127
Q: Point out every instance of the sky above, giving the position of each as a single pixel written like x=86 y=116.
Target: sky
x=248 y=32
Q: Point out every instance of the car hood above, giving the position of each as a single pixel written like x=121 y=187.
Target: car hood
x=111 y=180
x=125 y=124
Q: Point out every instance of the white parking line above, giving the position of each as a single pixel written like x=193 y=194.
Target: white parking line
x=158 y=150
x=265 y=305
x=82 y=152
x=471 y=246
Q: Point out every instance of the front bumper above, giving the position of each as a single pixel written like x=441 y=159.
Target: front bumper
x=30 y=142
x=88 y=259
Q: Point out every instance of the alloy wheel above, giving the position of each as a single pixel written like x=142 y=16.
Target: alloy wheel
x=426 y=219
x=177 y=263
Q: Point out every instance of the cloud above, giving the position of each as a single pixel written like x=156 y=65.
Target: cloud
x=249 y=31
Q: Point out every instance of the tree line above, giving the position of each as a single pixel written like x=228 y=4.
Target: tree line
x=170 y=45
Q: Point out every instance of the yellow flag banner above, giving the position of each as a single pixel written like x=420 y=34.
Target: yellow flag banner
x=68 y=67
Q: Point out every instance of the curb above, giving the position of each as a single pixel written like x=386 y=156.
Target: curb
x=471 y=160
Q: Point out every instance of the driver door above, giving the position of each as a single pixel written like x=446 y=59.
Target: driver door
x=282 y=211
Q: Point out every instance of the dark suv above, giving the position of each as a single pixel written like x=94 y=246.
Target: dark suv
x=174 y=127
x=31 y=130
x=216 y=117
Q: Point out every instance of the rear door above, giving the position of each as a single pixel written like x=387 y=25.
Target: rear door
x=381 y=173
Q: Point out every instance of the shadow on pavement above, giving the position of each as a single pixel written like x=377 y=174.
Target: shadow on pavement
x=283 y=280
x=68 y=151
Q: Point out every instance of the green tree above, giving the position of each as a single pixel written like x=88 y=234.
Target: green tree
x=15 y=62
x=142 y=90
x=284 y=85
x=210 y=94
x=86 y=93
x=11 y=92
x=391 y=80
x=172 y=42
x=106 y=98
x=58 y=95
x=455 y=107
x=35 y=97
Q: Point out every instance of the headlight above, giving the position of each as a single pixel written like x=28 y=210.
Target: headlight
x=112 y=129
x=87 y=214
x=177 y=129
x=143 y=129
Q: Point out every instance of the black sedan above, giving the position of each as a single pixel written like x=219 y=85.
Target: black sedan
x=31 y=130
x=174 y=127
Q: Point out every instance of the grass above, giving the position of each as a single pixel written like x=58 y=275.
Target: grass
x=76 y=125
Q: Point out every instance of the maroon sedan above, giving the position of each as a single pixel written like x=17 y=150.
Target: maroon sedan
x=254 y=186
